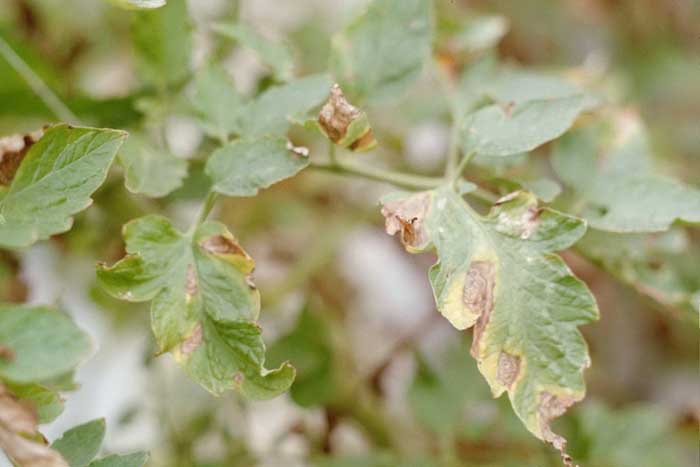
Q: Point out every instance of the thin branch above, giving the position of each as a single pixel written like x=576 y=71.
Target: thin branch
x=403 y=180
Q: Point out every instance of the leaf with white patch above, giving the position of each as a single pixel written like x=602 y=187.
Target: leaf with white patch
x=204 y=305
x=54 y=181
x=499 y=274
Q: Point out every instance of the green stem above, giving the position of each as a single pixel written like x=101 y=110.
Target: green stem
x=413 y=182
x=462 y=165
x=453 y=153
x=207 y=206
x=51 y=100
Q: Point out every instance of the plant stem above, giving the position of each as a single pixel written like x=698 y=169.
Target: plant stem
x=207 y=206
x=453 y=153
x=414 y=182
x=462 y=165
x=51 y=100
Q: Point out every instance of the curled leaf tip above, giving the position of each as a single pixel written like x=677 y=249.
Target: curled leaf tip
x=345 y=124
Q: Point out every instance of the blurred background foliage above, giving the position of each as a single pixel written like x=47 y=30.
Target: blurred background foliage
x=382 y=379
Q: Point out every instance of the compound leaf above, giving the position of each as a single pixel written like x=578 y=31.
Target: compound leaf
x=80 y=444
x=610 y=168
x=39 y=343
x=204 y=305
x=150 y=170
x=243 y=167
x=499 y=274
x=384 y=51
x=54 y=181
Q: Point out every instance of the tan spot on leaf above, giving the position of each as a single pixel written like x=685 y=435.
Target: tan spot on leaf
x=298 y=150
x=478 y=296
x=407 y=216
x=508 y=369
x=192 y=342
x=250 y=282
x=552 y=406
x=6 y=353
x=238 y=379
x=190 y=282
x=18 y=422
x=12 y=151
x=222 y=245
x=337 y=114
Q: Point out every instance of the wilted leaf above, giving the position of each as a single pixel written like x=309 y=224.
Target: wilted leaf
x=19 y=437
x=610 y=167
x=345 y=124
x=276 y=55
x=271 y=112
x=217 y=102
x=162 y=39
x=499 y=274
x=245 y=166
x=44 y=343
x=137 y=459
x=383 y=51
x=150 y=170
x=204 y=305
x=80 y=444
x=502 y=130
x=55 y=181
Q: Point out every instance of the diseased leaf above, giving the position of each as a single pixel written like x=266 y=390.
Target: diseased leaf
x=610 y=168
x=150 y=170
x=19 y=436
x=276 y=55
x=43 y=342
x=46 y=401
x=499 y=274
x=162 y=39
x=139 y=4
x=218 y=103
x=55 y=181
x=345 y=124
x=271 y=112
x=383 y=51
x=245 y=166
x=137 y=459
x=498 y=130
x=12 y=151
x=80 y=444
x=204 y=305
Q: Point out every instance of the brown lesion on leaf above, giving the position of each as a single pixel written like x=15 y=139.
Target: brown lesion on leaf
x=336 y=116
x=192 y=342
x=6 y=353
x=12 y=151
x=190 y=282
x=550 y=407
x=479 y=286
x=222 y=245
x=407 y=216
x=19 y=435
x=521 y=220
x=508 y=369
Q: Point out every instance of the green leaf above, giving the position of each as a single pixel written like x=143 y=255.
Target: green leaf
x=309 y=349
x=384 y=51
x=42 y=343
x=271 y=112
x=276 y=55
x=499 y=130
x=610 y=168
x=217 y=102
x=80 y=444
x=499 y=274
x=245 y=166
x=55 y=181
x=47 y=402
x=137 y=459
x=204 y=305
x=162 y=39
x=139 y=4
x=150 y=170
x=636 y=436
